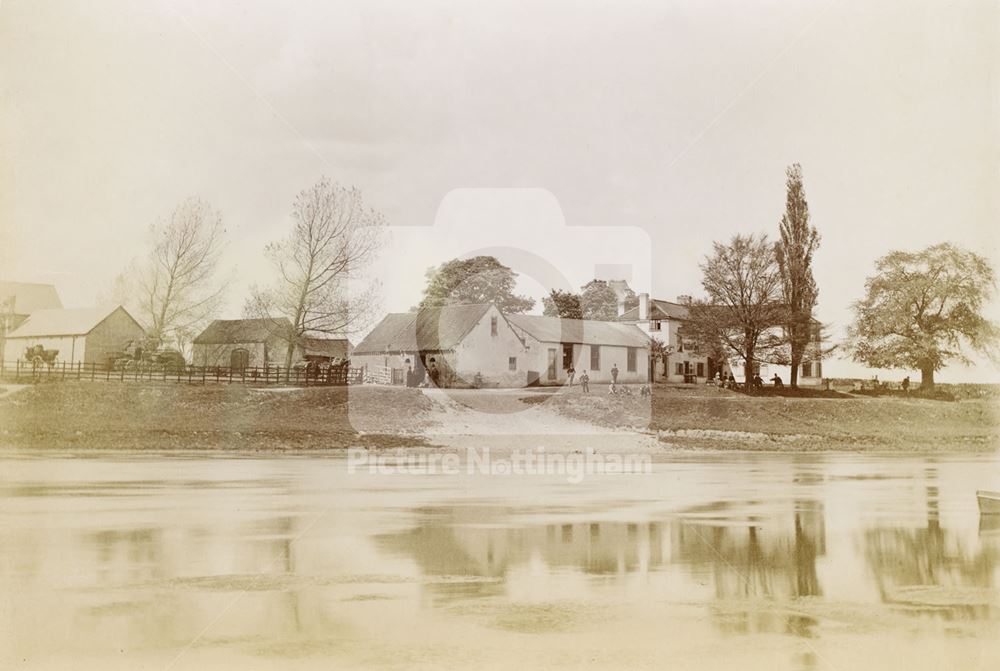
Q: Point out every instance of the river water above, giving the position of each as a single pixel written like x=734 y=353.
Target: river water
x=723 y=561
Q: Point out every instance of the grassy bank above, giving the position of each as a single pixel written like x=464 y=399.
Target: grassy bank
x=705 y=417
x=179 y=416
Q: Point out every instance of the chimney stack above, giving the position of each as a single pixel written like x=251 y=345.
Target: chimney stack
x=621 y=306
x=643 y=307
x=684 y=300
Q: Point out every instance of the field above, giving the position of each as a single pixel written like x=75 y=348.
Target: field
x=179 y=416
x=705 y=417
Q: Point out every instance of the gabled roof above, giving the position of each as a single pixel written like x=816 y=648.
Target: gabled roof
x=65 y=322
x=584 y=331
x=232 y=331
x=29 y=297
x=331 y=347
x=657 y=310
x=429 y=329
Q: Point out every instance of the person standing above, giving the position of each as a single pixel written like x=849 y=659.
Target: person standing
x=906 y=384
x=571 y=371
x=585 y=382
x=614 y=374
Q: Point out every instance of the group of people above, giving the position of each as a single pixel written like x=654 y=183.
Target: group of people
x=585 y=379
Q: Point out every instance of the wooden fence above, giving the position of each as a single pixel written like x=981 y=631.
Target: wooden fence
x=26 y=373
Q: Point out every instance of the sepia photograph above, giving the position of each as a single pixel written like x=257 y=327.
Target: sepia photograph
x=549 y=334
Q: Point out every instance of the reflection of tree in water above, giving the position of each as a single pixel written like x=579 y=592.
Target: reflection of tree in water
x=930 y=556
x=469 y=541
x=774 y=560
x=758 y=559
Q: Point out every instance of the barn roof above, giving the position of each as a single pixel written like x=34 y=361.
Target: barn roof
x=331 y=347
x=584 y=331
x=65 y=322
x=29 y=297
x=429 y=329
x=231 y=331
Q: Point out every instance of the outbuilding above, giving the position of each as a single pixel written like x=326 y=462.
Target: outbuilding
x=82 y=335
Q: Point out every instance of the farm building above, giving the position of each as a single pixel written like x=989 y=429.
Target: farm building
x=589 y=345
x=253 y=343
x=466 y=341
x=82 y=335
x=242 y=343
x=18 y=300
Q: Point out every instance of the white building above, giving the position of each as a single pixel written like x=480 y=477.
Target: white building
x=470 y=342
x=81 y=335
x=664 y=321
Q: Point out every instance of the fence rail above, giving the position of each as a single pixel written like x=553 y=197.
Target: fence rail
x=26 y=372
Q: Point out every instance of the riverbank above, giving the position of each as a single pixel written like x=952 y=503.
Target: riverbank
x=706 y=417
x=194 y=417
x=94 y=415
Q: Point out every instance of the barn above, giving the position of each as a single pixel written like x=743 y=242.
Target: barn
x=82 y=335
x=242 y=343
x=503 y=350
x=258 y=343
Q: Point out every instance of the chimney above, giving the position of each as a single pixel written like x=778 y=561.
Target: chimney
x=684 y=300
x=643 y=307
x=621 y=306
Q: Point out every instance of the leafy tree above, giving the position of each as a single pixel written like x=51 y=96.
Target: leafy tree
x=599 y=301
x=743 y=287
x=333 y=236
x=921 y=309
x=480 y=279
x=794 y=254
x=564 y=304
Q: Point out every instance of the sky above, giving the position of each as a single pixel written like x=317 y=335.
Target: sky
x=572 y=138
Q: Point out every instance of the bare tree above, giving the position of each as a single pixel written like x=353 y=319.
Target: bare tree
x=794 y=253
x=332 y=238
x=743 y=288
x=177 y=287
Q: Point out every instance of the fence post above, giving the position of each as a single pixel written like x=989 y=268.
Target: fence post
x=17 y=370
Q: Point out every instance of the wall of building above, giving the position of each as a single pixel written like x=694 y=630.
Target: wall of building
x=260 y=354
x=489 y=355
x=72 y=349
x=110 y=336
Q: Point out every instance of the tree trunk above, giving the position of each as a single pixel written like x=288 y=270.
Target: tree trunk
x=927 y=377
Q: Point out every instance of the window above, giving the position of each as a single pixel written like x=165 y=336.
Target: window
x=630 y=362
x=701 y=369
x=595 y=357
x=493 y=326
x=819 y=369
x=807 y=370
x=680 y=369
x=512 y=363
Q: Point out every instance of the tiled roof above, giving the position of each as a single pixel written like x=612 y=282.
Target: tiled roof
x=585 y=331
x=29 y=297
x=229 y=331
x=63 y=322
x=430 y=329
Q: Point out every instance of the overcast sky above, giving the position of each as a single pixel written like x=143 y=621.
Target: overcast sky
x=667 y=125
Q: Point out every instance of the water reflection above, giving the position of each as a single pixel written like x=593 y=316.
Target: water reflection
x=283 y=562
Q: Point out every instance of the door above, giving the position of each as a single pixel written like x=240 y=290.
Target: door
x=239 y=359
x=553 y=362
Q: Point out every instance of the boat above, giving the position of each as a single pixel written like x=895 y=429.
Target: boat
x=989 y=502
